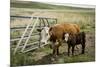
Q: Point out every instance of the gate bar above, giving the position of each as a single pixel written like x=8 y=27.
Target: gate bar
x=29 y=34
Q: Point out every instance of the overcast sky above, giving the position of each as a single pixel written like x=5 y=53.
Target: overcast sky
x=86 y=3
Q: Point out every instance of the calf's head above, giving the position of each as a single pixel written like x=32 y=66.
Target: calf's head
x=66 y=36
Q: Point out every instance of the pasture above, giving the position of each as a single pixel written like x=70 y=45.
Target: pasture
x=84 y=18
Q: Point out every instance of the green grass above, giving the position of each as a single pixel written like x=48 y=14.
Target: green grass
x=79 y=58
x=39 y=5
x=22 y=59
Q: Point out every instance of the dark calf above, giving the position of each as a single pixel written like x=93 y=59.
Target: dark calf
x=75 y=39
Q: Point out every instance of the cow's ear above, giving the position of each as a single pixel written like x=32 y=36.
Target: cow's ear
x=39 y=29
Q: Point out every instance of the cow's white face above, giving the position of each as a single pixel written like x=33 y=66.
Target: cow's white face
x=66 y=37
x=45 y=35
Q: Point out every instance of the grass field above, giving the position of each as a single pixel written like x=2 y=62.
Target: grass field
x=40 y=5
x=85 y=18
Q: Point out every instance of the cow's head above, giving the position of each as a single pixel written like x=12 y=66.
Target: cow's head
x=44 y=35
x=66 y=37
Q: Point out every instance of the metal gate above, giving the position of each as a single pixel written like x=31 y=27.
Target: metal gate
x=36 y=22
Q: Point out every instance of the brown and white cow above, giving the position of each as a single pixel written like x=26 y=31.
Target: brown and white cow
x=55 y=34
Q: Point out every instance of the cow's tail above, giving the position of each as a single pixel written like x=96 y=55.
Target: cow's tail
x=84 y=42
x=84 y=37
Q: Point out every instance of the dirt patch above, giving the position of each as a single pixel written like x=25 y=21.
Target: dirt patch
x=43 y=58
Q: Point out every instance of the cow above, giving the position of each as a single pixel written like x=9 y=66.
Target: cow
x=75 y=39
x=55 y=34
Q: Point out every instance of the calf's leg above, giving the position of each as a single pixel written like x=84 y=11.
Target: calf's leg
x=83 y=48
x=69 y=49
x=58 y=51
x=73 y=50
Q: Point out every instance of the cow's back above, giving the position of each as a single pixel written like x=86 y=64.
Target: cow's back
x=77 y=27
x=71 y=28
x=57 y=31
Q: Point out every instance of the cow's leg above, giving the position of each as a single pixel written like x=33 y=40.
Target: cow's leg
x=73 y=50
x=69 y=49
x=58 y=49
x=55 y=51
x=58 y=45
x=83 y=48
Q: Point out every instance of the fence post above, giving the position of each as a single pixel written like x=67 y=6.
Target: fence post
x=43 y=21
x=40 y=34
x=47 y=22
